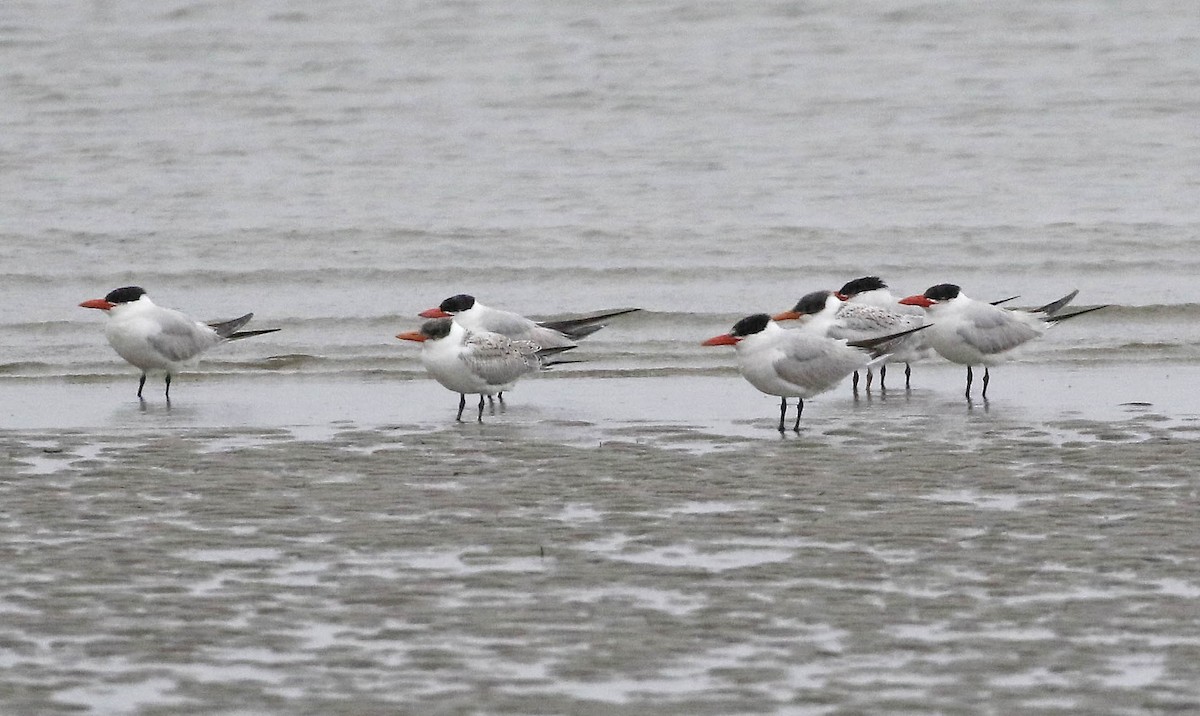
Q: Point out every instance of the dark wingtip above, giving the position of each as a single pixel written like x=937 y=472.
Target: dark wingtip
x=249 y=334
x=879 y=346
x=1056 y=318
x=577 y=328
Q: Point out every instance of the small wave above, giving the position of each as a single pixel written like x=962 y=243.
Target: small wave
x=281 y=362
x=24 y=367
x=1155 y=312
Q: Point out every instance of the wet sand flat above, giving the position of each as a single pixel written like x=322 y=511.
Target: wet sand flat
x=649 y=545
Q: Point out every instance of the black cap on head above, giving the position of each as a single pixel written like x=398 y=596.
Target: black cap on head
x=862 y=285
x=811 y=303
x=125 y=295
x=750 y=325
x=942 y=292
x=457 y=304
x=437 y=328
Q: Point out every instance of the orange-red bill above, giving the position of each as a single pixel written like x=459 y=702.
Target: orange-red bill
x=917 y=300
x=97 y=303
x=786 y=316
x=434 y=313
x=411 y=336
x=722 y=340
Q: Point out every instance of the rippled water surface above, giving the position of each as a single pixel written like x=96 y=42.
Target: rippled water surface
x=305 y=530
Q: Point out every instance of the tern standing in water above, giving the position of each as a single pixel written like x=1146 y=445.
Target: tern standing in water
x=468 y=362
x=161 y=340
x=796 y=363
x=970 y=332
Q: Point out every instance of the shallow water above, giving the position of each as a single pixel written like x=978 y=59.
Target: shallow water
x=305 y=530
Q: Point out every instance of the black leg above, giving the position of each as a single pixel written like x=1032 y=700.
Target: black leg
x=141 y=384
x=985 y=382
x=907 y=376
x=491 y=401
x=882 y=375
x=799 y=410
x=168 y=387
x=500 y=395
x=462 y=403
x=782 y=412
x=854 y=383
x=480 y=419
x=870 y=377
x=970 y=376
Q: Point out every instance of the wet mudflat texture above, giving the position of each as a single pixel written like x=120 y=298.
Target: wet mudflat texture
x=959 y=565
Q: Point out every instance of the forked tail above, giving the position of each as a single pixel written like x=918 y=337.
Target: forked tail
x=229 y=329
x=1055 y=306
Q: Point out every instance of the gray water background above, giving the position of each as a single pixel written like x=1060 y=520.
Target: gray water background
x=305 y=532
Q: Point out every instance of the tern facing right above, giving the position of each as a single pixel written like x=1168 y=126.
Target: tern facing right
x=477 y=362
x=970 y=332
x=796 y=363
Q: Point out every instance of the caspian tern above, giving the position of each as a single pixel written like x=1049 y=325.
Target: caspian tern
x=826 y=313
x=872 y=291
x=796 y=363
x=476 y=317
x=161 y=340
x=477 y=362
x=970 y=332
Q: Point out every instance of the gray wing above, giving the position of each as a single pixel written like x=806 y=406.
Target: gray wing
x=815 y=362
x=180 y=338
x=499 y=360
x=506 y=323
x=855 y=321
x=996 y=330
x=518 y=328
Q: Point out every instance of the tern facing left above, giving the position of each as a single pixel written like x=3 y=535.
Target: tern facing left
x=970 y=332
x=872 y=291
x=797 y=363
x=485 y=363
x=828 y=313
x=476 y=317
x=161 y=340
